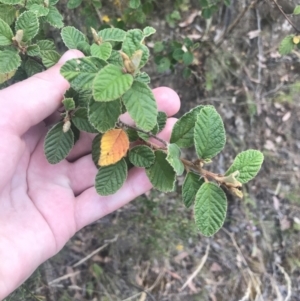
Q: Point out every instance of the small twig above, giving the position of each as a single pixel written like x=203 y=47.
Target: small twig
x=288 y=282
x=199 y=268
x=121 y=123
x=236 y=21
x=89 y=256
x=286 y=17
x=64 y=277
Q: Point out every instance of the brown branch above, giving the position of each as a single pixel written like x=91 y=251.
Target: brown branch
x=286 y=17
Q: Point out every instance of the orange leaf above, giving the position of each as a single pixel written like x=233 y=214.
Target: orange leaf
x=114 y=146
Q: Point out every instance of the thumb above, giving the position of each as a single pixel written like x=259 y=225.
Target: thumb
x=32 y=100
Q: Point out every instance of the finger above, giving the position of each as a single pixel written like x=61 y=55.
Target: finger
x=82 y=174
x=27 y=103
x=167 y=101
x=90 y=206
x=82 y=147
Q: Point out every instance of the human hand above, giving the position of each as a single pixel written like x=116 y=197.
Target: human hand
x=41 y=205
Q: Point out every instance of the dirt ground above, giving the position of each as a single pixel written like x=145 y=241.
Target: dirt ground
x=150 y=249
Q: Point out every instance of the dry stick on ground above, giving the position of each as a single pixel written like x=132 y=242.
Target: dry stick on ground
x=288 y=282
x=199 y=268
x=284 y=14
x=236 y=21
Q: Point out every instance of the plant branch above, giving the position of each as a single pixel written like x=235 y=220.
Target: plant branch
x=122 y=124
x=285 y=15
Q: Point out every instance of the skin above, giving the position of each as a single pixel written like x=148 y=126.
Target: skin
x=42 y=205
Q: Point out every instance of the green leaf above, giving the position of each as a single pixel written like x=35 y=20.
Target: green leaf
x=81 y=97
x=296 y=10
x=46 y=45
x=73 y=4
x=132 y=135
x=161 y=121
x=161 y=174
x=183 y=130
x=6 y=34
x=11 y=2
x=187 y=58
x=173 y=158
x=38 y=9
x=134 y=3
x=143 y=77
x=29 y=23
x=248 y=163
x=115 y=59
x=191 y=185
x=104 y=115
x=72 y=36
x=210 y=208
x=54 y=17
x=132 y=41
x=141 y=105
x=178 y=54
x=84 y=47
x=102 y=51
x=287 y=45
x=7 y=14
x=111 y=178
x=164 y=65
x=96 y=149
x=81 y=72
x=145 y=56
x=148 y=31
x=32 y=67
x=158 y=47
x=81 y=121
x=69 y=104
x=50 y=58
x=9 y=61
x=141 y=156
x=112 y=34
x=58 y=144
x=111 y=83
x=209 y=133
x=33 y=50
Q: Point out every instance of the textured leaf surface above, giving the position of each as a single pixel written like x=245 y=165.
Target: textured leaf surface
x=104 y=115
x=58 y=144
x=143 y=77
x=248 y=163
x=141 y=105
x=29 y=23
x=7 y=13
x=161 y=174
x=148 y=31
x=116 y=59
x=54 y=17
x=161 y=121
x=9 y=61
x=191 y=185
x=286 y=46
x=112 y=34
x=72 y=36
x=96 y=149
x=102 y=51
x=6 y=76
x=73 y=3
x=209 y=133
x=81 y=72
x=141 y=156
x=45 y=45
x=6 y=34
x=50 y=58
x=80 y=120
x=210 y=208
x=33 y=50
x=173 y=158
x=114 y=146
x=183 y=130
x=11 y=2
x=32 y=67
x=132 y=41
x=39 y=10
x=111 y=178
x=69 y=104
x=111 y=83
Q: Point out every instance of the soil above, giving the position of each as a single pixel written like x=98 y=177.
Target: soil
x=150 y=248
